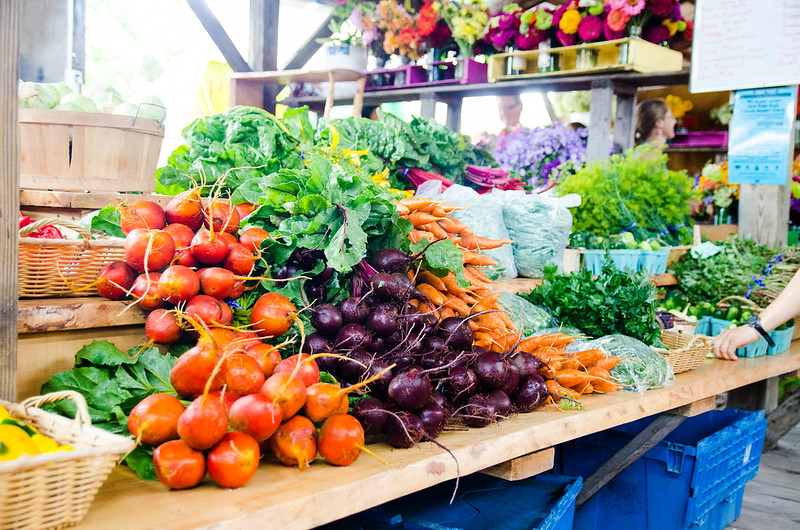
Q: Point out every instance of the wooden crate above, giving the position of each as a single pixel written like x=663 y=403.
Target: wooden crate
x=621 y=54
x=76 y=151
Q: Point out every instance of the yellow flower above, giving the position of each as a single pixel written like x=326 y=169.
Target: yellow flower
x=569 y=21
x=671 y=26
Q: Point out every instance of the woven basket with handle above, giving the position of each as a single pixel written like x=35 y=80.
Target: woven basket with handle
x=78 y=261
x=725 y=303
x=54 y=490
x=684 y=352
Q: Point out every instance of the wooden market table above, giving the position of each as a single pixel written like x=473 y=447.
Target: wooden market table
x=282 y=497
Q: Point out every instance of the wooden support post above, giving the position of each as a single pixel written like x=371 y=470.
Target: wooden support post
x=264 y=44
x=762 y=395
x=358 y=99
x=310 y=47
x=600 y=120
x=782 y=420
x=329 y=100
x=764 y=213
x=625 y=119
x=524 y=466
x=454 y=114
x=218 y=35
x=427 y=105
x=630 y=453
x=9 y=198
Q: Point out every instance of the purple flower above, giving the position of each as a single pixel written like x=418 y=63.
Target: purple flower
x=656 y=33
x=610 y=34
x=535 y=154
x=502 y=37
x=661 y=8
x=590 y=28
x=506 y=21
x=566 y=39
x=529 y=41
x=558 y=14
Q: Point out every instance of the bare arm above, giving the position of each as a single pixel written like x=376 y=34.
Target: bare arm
x=783 y=308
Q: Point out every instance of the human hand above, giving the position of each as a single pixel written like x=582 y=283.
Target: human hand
x=728 y=341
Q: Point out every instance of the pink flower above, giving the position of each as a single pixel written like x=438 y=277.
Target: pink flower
x=661 y=8
x=616 y=4
x=611 y=34
x=590 y=28
x=632 y=7
x=529 y=41
x=617 y=19
x=566 y=39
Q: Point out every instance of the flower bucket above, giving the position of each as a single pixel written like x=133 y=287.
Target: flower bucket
x=344 y=57
x=654 y=261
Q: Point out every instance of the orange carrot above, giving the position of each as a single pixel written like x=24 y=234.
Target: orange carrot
x=570 y=378
x=485 y=304
x=430 y=278
x=436 y=297
x=608 y=362
x=456 y=304
x=453 y=225
x=477 y=273
x=437 y=231
x=507 y=320
x=452 y=284
x=417 y=235
x=585 y=388
x=447 y=312
x=417 y=203
x=470 y=241
x=475 y=258
x=557 y=391
x=420 y=218
x=468 y=298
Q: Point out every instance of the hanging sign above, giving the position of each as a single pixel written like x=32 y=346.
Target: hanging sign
x=760 y=135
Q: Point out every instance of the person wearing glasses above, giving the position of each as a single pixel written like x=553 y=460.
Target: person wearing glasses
x=510 y=109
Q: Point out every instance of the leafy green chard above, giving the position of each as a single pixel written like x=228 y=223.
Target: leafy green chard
x=113 y=382
x=617 y=301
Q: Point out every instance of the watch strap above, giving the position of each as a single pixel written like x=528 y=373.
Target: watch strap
x=755 y=323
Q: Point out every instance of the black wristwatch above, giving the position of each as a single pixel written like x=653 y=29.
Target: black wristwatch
x=755 y=323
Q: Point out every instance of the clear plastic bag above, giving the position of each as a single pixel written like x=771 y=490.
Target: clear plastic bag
x=540 y=228
x=484 y=215
x=529 y=318
x=641 y=368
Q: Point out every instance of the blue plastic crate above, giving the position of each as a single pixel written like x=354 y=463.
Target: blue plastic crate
x=654 y=261
x=544 y=502
x=782 y=339
x=693 y=479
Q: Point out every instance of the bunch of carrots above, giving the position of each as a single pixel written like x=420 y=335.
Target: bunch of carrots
x=493 y=329
x=571 y=374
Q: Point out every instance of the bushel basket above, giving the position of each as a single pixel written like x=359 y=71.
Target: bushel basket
x=45 y=264
x=54 y=490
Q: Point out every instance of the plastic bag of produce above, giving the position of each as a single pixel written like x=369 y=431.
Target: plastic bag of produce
x=539 y=227
x=560 y=330
x=641 y=367
x=484 y=215
x=529 y=318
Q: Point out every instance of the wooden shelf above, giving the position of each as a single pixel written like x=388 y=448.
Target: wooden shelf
x=38 y=315
x=282 y=497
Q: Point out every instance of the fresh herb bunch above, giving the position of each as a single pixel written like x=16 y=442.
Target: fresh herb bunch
x=728 y=272
x=617 y=301
x=631 y=190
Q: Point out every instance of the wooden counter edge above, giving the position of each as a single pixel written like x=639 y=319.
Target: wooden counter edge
x=38 y=315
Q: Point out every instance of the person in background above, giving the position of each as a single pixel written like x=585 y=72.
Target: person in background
x=370 y=112
x=510 y=109
x=783 y=308
x=655 y=123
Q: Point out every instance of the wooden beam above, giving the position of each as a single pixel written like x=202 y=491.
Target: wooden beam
x=630 y=453
x=524 y=466
x=309 y=47
x=264 y=44
x=599 y=120
x=427 y=106
x=218 y=35
x=764 y=212
x=625 y=121
x=454 y=115
x=9 y=200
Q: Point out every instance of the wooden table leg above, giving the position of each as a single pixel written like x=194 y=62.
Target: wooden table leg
x=329 y=100
x=358 y=99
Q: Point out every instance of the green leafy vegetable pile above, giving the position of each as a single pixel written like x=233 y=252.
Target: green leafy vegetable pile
x=113 y=382
x=634 y=191
x=617 y=301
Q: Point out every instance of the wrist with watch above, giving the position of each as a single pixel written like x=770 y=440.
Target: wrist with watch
x=755 y=322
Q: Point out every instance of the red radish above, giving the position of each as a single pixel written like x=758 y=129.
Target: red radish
x=154 y=420
x=193 y=369
x=308 y=372
x=256 y=415
x=217 y=282
x=272 y=315
x=240 y=259
x=209 y=310
x=224 y=216
x=115 y=280
x=145 y=291
x=181 y=234
x=229 y=238
x=162 y=326
x=208 y=248
x=288 y=393
x=252 y=238
x=244 y=209
x=226 y=398
x=178 y=466
x=295 y=442
x=186 y=258
x=149 y=250
x=341 y=440
x=186 y=208
x=178 y=284
x=142 y=214
x=265 y=355
x=204 y=422
x=242 y=374
x=234 y=460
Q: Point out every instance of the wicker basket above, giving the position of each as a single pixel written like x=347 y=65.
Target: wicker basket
x=54 y=490
x=684 y=352
x=78 y=260
x=725 y=303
